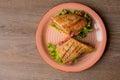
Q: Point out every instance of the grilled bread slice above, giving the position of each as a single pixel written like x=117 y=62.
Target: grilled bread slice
x=69 y=23
x=71 y=49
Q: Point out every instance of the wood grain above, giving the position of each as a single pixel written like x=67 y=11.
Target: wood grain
x=19 y=58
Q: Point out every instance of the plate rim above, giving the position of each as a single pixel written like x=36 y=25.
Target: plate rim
x=43 y=53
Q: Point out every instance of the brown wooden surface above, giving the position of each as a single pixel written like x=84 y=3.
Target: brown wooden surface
x=19 y=57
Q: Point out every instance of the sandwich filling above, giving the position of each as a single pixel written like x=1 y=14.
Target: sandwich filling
x=69 y=51
x=74 y=23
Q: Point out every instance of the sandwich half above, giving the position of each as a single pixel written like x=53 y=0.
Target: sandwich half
x=71 y=49
x=69 y=23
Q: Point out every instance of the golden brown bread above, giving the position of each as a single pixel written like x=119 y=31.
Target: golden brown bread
x=70 y=23
x=71 y=49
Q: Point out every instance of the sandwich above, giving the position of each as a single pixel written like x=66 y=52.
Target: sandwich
x=76 y=24
x=69 y=23
x=72 y=49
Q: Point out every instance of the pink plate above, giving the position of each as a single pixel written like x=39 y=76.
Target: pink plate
x=45 y=34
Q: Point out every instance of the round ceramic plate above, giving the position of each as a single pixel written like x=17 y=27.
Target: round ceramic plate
x=46 y=34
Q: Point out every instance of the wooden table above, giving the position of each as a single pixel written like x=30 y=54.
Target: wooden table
x=19 y=57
